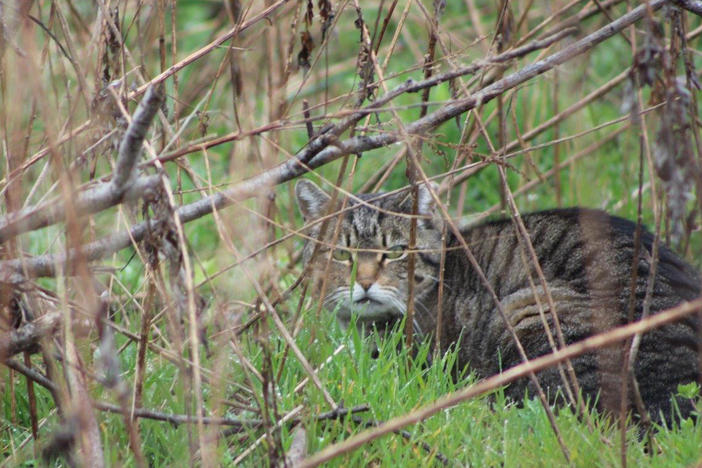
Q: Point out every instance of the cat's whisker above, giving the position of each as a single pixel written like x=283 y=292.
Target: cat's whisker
x=400 y=305
x=447 y=287
x=420 y=305
x=386 y=296
x=417 y=328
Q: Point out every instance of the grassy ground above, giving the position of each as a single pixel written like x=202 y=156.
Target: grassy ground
x=486 y=431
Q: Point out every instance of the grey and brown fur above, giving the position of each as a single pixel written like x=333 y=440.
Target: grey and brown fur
x=586 y=257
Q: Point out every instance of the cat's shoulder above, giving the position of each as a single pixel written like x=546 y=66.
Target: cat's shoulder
x=574 y=216
x=591 y=221
x=562 y=216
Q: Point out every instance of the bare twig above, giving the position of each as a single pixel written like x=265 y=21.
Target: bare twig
x=298 y=447
x=26 y=338
x=177 y=419
x=89 y=202
x=31 y=374
x=106 y=194
x=695 y=6
x=130 y=147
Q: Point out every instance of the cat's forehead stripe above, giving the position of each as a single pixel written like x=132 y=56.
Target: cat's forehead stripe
x=365 y=222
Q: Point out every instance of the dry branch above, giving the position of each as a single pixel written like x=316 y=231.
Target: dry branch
x=177 y=419
x=31 y=374
x=89 y=202
x=105 y=195
x=695 y=6
x=236 y=424
x=298 y=447
x=325 y=149
x=26 y=338
x=130 y=147
x=122 y=187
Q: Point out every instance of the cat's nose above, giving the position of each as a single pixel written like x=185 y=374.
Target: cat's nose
x=366 y=283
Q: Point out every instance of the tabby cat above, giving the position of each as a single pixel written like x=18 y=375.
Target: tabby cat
x=586 y=258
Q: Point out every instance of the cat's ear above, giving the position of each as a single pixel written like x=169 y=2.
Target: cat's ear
x=425 y=202
x=310 y=199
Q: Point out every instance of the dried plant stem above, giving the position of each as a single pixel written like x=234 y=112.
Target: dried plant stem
x=31 y=397
x=233 y=32
x=27 y=337
x=105 y=196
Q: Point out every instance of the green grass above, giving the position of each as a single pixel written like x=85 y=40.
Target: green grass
x=485 y=431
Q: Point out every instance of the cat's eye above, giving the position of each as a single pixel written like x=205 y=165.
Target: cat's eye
x=395 y=252
x=341 y=255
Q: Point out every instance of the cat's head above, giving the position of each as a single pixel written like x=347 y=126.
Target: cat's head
x=364 y=271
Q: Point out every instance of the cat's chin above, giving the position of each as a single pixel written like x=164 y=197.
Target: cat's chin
x=367 y=313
